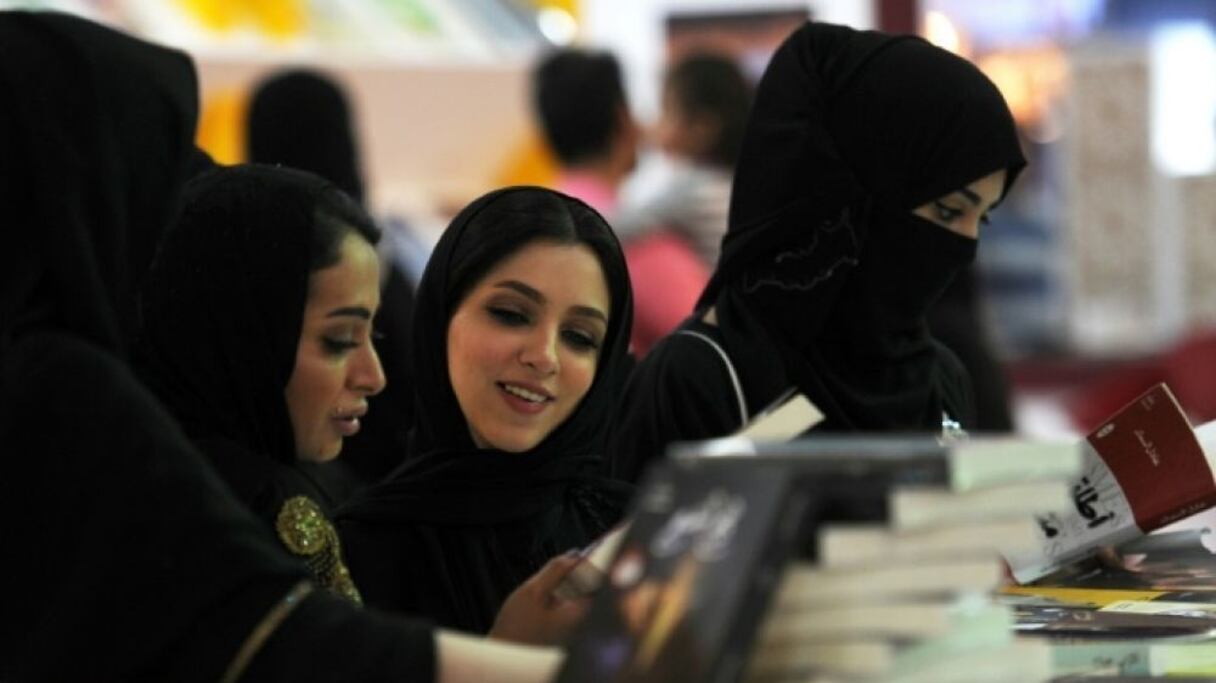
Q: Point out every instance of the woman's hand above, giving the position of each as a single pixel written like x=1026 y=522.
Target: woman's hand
x=533 y=615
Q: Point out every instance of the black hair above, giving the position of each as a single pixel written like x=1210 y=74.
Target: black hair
x=335 y=216
x=578 y=97
x=712 y=85
x=301 y=118
x=516 y=219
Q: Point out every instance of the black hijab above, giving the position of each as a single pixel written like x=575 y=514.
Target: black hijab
x=300 y=118
x=447 y=479
x=128 y=559
x=223 y=312
x=850 y=131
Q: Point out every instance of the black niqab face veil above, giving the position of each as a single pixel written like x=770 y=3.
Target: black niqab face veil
x=225 y=304
x=851 y=131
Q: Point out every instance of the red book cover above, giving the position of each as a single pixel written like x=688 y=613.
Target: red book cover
x=1153 y=453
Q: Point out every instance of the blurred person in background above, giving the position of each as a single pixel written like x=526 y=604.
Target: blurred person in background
x=580 y=103
x=302 y=118
x=705 y=103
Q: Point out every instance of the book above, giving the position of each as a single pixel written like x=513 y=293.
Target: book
x=787 y=419
x=1072 y=622
x=693 y=576
x=841 y=545
x=588 y=575
x=963 y=655
x=925 y=506
x=893 y=619
x=1131 y=657
x=956 y=464
x=807 y=585
x=1144 y=467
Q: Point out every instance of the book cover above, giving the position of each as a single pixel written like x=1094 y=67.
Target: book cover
x=1144 y=468
x=692 y=579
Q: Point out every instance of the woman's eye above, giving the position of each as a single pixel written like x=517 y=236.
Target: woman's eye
x=338 y=346
x=509 y=317
x=580 y=341
x=947 y=213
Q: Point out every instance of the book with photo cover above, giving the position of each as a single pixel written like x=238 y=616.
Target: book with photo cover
x=693 y=576
x=1144 y=468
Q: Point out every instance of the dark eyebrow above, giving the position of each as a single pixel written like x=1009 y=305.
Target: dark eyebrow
x=354 y=311
x=589 y=312
x=520 y=287
x=536 y=296
x=973 y=197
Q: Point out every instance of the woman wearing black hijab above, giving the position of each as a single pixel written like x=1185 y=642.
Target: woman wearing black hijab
x=257 y=337
x=127 y=557
x=520 y=337
x=302 y=118
x=868 y=163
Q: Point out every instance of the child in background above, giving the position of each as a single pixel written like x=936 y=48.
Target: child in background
x=672 y=228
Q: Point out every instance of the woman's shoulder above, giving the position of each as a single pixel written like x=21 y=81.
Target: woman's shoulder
x=61 y=386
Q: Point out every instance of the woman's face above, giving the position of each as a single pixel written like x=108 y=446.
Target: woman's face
x=336 y=366
x=963 y=210
x=524 y=344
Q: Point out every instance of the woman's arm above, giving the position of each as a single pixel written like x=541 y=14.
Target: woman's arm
x=463 y=658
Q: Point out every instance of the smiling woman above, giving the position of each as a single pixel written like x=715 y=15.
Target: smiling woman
x=258 y=338
x=520 y=334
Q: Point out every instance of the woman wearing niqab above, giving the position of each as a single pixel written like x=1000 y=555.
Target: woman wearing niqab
x=457 y=527
x=125 y=556
x=826 y=273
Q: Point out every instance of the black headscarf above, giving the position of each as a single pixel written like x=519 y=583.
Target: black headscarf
x=456 y=528
x=301 y=119
x=129 y=559
x=223 y=315
x=225 y=302
x=850 y=131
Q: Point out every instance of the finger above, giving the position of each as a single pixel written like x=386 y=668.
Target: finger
x=551 y=575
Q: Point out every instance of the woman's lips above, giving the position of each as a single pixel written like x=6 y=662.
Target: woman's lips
x=524 y=399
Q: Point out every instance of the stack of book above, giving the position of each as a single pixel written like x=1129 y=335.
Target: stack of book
x=892 y=559
x=908 y=598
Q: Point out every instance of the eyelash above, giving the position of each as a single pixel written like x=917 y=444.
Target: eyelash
x=949 y=213
x=579 y=341
x=338 y=346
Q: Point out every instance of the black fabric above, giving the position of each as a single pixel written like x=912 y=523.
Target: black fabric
x=957 y=320
x=301 y=119
x=825 y=270
x=126 y=556
x=456 y=528
x=223 y=313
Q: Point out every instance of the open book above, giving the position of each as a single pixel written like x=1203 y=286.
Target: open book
x=1143 y=468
